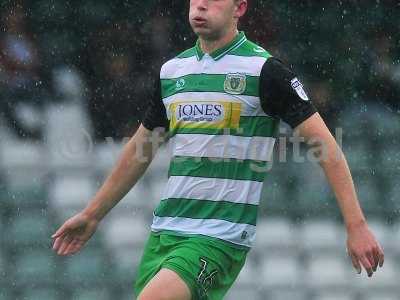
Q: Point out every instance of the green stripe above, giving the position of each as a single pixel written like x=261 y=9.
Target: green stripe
x=218 y=168
x=263 y=126
x=206 y=209
x=205 y=83
x=187 y=53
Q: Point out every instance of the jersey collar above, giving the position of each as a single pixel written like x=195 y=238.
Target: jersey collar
x=219 y=53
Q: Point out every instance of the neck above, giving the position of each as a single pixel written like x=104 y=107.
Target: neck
x=208 y=46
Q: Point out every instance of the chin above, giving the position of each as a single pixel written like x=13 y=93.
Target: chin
x=201 y=31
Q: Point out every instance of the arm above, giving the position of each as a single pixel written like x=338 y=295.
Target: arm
x=361 y=244
x=134 y=160
x=283 y=96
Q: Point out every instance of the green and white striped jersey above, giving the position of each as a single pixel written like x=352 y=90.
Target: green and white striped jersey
x=221 y=139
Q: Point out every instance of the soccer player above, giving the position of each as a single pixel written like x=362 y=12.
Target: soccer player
x=221 y=102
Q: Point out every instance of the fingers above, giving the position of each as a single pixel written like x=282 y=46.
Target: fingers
x=79 y=244
x=367 y=265
x=68 y=245
x=57 y=243
x=64 y=245
x=62 y=230
x=376 y=256
x=371 y=258
x=365 y=249
x=73 y=247
x=356 y=263
x=381 y=256
x=60 y=238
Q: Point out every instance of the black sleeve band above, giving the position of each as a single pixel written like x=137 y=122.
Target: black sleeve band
x=155 y=115
x=282 y=94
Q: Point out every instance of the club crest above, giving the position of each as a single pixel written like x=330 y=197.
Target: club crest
x=235 y=83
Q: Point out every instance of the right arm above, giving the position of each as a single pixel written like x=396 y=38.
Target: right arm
x=133 y=162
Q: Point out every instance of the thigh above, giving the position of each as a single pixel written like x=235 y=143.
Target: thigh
x=150 y=263
x=165 y=285
x=209 y=270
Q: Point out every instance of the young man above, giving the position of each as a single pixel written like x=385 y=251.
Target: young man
x=221 y=102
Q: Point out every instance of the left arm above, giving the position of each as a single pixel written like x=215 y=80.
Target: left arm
x=282 y=96
x=361 y=243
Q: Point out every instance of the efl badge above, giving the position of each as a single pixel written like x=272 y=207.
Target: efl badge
x=298 y=87
x=235 y=83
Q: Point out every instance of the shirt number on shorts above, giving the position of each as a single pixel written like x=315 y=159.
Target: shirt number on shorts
x=205 y=279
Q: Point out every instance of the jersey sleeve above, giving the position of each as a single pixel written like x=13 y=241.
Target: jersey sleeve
x=155 y=114
x=282 y=94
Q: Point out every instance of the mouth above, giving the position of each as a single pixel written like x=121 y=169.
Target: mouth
x=199 y=21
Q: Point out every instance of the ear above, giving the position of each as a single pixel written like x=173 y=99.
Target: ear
x=241 y=8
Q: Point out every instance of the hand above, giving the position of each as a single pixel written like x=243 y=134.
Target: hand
x=364 y=249
x=73 y=234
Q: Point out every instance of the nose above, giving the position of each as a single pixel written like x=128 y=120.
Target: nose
x=202 y=4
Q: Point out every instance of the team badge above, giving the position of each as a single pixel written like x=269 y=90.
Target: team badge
x=235 y=83
x=298 y=87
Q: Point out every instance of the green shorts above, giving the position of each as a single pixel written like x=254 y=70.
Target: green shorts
x=208 y=266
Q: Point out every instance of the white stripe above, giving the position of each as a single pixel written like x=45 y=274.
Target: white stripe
x=250 y=104
x=222 y=146
x=214 y=189
x=178 y=67
x=221 y=229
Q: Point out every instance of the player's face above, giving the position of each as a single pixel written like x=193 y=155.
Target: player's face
x=210 y=19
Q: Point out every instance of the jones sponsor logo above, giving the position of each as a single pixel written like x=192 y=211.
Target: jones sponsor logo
x=197 y=112
x=204 y=114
